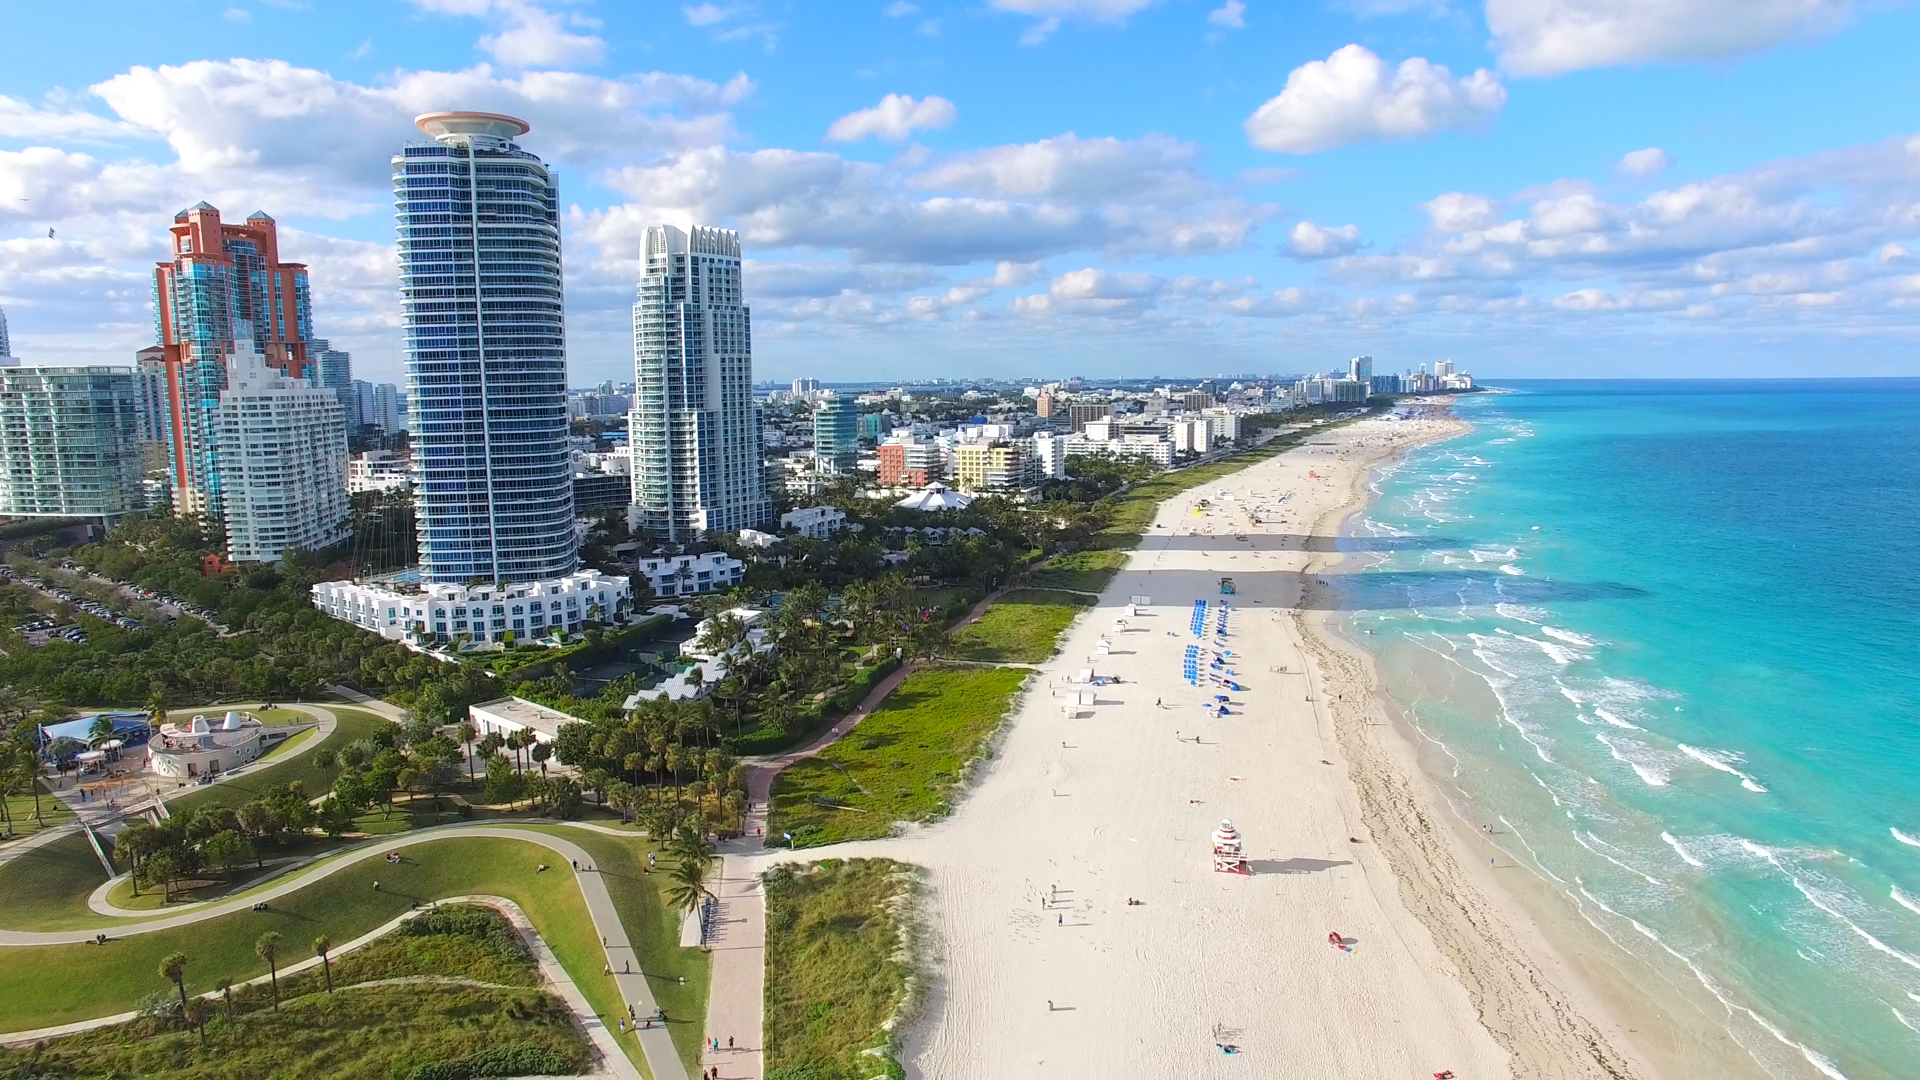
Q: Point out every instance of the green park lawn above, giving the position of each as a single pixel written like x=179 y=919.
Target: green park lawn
x=901 y=764
x=835 y=969
x=355 y=724
x=653 y=926
x=47 y=887
x=55 y=984
x=1022 y=627
x=356 y=1030
x=52 y=811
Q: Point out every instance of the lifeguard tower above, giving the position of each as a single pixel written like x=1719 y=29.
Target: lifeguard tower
x=1227 y=856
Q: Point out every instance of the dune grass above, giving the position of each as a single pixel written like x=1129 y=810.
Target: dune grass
x=901 y=764
x=372 y=1031
x=836 y=968
x=47 y=888
x=1083 y=571
x=1022 y=627
x=55 y=984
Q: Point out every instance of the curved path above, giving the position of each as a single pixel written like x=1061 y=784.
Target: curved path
x=662 y=1059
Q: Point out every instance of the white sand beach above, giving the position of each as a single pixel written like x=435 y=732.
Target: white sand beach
x=1040 y=966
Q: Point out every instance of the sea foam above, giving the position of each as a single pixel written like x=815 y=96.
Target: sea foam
x=1614 y=720
x=1904 y=838
x=1568 y=636
x=1685 y=857
x=1636 y=757
x=1725 y=761
x=1827 y=903
x=1906 y=901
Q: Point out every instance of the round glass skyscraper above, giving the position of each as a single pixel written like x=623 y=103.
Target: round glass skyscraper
x=486 y=352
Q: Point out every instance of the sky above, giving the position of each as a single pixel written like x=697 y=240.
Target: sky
x=1032 y=188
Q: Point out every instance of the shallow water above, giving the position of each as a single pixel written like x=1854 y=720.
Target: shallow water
x=1688 y=615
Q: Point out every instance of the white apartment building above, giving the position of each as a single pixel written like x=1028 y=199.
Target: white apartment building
x=814 y=522
x=1190 y=435
x=694 y=429
x=283 y=463
x=444 y=612
x=686 y=575
x=1049 y=458
x=377 y=470
x=69 y=441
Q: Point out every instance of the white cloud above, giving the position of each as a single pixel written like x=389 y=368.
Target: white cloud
x=239 y=15
x=899 y=9
x=894 y=119
x=706 y=14
x=1232 y=14
x=1369 y=9
x=1153 y=168
x=1550 y=37
x=1310 y=241
x=1645 y=162
x=20 y=120
x=1457 y=211
x=1093 y=283
x=1351 y=97
x=530 y=35
x=1052 y=13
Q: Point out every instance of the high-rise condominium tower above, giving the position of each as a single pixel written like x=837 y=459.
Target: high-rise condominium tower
x=486 y=352
x=694 y=428
x=6 y=347
x=225 y=291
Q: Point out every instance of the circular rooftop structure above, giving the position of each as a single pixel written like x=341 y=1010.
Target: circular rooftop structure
x=500 y=126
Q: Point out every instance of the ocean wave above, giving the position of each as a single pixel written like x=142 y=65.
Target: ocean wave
x=1906 y=901
x=1560 y=654
x=1902 y=1017
x=1652 y=771
x=1815 y=1058
x=1649 y=878
x=1724 y=760
x=1685 y=856
x=1569 y=637
x=1518 y=613
x=1829 y=903
x=1506 y=568
x=1615 y=720
x=1480 y=555
x=1904 y=838
x=1569 y=694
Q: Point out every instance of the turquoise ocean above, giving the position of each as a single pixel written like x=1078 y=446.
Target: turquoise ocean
x=1664 y=637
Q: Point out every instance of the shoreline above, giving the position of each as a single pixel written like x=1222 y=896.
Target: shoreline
x=1521 y=946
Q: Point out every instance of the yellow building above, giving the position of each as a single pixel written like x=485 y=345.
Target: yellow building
x=989 y=466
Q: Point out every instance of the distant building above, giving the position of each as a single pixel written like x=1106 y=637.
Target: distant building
x=6 y=342
x=601 y=491
x=335 y=367
x=698 y=461
x=1079 y=415
x=69 y=440
x=836 y=432
x=814 y=522
x=223 y=292
x=989 y=466
x=934 y=498
x=1360 y=369
x=377 y=470
x=445 y=612
x=1197 y=400
x=512 y=715
x=1049 y=457
x=205 y=746
x=283 y=462
x=687 y=575
x=150 y=373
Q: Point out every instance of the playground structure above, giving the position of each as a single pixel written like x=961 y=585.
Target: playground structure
x=1227 y=856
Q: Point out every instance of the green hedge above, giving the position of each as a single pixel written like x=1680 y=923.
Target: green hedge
x=516 y=1059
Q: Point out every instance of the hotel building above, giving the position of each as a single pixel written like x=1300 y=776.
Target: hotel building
x=69 y=440
x=283 y=463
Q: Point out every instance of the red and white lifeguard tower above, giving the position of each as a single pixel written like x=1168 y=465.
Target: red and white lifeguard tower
x=1227 y=856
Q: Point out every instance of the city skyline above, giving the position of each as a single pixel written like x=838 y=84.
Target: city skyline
x=974 y=190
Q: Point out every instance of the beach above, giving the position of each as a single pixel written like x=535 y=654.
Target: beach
x=1075 y=925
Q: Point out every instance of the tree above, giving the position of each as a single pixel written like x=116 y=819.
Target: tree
x=227 y=848
x=540 y=752
x=174 y=969
x=225 y=986
x=689 y=845
x=320 y=946
x=467 y=736
x=100 y=730
x=267 y=948
x=689 y=888
x=326 y=759
x=162 y=866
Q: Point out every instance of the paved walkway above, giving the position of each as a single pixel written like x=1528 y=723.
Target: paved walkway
x=662 y=1060
x=371 y=704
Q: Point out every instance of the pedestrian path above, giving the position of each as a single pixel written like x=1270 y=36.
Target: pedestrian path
x=621 y=959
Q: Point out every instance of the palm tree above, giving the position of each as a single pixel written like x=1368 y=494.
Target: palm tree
x=225 y=986
x=689 y=845
x=268 y=949
x=320 y=946
x=468 y=735
x=689 y=888
x=174 y=970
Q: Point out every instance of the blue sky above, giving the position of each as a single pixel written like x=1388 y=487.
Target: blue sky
x=1035 y=187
